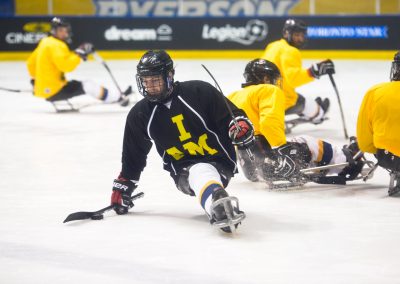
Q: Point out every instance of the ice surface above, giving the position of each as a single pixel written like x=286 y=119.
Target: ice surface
x=55 y=164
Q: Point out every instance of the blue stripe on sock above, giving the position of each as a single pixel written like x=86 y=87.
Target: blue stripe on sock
x=105 y=94
x=327 y=154
x=207 y=192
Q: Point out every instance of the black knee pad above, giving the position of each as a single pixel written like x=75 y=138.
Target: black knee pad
x=388 y=160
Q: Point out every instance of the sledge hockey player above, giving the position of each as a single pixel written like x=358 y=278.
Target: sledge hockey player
x=286 y=55
x=378 y=127
x=272 y=157
x=52 y=58
x=189 y=123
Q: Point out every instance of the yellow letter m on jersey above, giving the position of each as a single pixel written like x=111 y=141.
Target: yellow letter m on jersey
x=191 y=147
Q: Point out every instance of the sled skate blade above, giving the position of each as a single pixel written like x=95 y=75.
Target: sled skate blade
x=394 y=185
x=233 y=215
x=282 y=185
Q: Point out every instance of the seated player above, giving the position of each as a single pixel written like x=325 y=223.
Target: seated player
x=285 y=54
x=275 y=158
x=188 y=123
x=378 y=127
x=52 y=58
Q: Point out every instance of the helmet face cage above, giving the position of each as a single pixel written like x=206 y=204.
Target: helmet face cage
x=56 y=23
x=292 y=26
x=155 y=76
x=395 y=70
x=258 y=70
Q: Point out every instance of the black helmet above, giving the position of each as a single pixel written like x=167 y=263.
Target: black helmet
x=293 y=26
x=256 y=71
x=395 y=70
x=155 y=63
x=58 y=22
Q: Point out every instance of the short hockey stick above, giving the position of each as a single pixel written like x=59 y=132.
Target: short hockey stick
x=15 y=90
x=125 y=100
x=332 y=166
x=340 y=106
x=321 y=168
x=251 y=155
x=101 y=60
x=96 y=215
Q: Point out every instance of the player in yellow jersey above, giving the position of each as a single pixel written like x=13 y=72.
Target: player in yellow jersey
x=52 y=58
x=285 y=53
x=378 y=125
x=272 y=157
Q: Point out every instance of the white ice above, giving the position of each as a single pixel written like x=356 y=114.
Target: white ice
x=55 y=164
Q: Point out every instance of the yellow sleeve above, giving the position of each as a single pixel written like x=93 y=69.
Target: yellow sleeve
x=64 y=59
x=364 y=124
x=294 y=73
x=272 y=115
x=31 y=64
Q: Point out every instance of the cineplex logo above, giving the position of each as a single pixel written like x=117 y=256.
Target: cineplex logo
x=255 y=30
x=32 y=33
x=162 y=33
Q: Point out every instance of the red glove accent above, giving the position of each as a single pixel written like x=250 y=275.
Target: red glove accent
x=243 y=128
x=116 y=197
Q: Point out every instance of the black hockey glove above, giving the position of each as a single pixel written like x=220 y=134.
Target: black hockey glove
x=285 y=162
x=241 y=132
x=121 y=195
x=322 y=68
x=84 y=50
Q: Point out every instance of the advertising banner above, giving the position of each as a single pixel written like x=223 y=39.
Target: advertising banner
x=324 y=33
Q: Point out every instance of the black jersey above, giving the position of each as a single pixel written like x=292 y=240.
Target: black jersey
x=190 y=128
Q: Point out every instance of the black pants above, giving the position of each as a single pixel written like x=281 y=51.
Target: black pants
x=388 y=160
x=71 y=89
x=298 y=107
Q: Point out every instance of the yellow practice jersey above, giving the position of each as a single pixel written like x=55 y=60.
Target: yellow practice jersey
x=378 y=125
x=264 y=105
x=47 y=65
x=288 y=60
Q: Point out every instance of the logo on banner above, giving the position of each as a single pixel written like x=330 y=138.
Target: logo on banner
x=162 y=33
x=193 y=8
x=255 y=30
x=32 y=33
x=347 y=32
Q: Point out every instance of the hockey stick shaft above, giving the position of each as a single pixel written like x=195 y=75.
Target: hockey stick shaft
x=340 y=105
x=220 y=90
x=99 y=58
x=82 y=215
x=249 y=152
x=15 y=90
x=332 y=166
x=321 y=168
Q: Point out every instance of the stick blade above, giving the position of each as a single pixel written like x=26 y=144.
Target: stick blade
x=82 y=215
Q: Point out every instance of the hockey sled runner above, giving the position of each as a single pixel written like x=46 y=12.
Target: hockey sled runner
x=317 y=175
x=67 y=106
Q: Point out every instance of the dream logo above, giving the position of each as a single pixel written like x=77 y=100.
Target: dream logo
x=162 y=33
